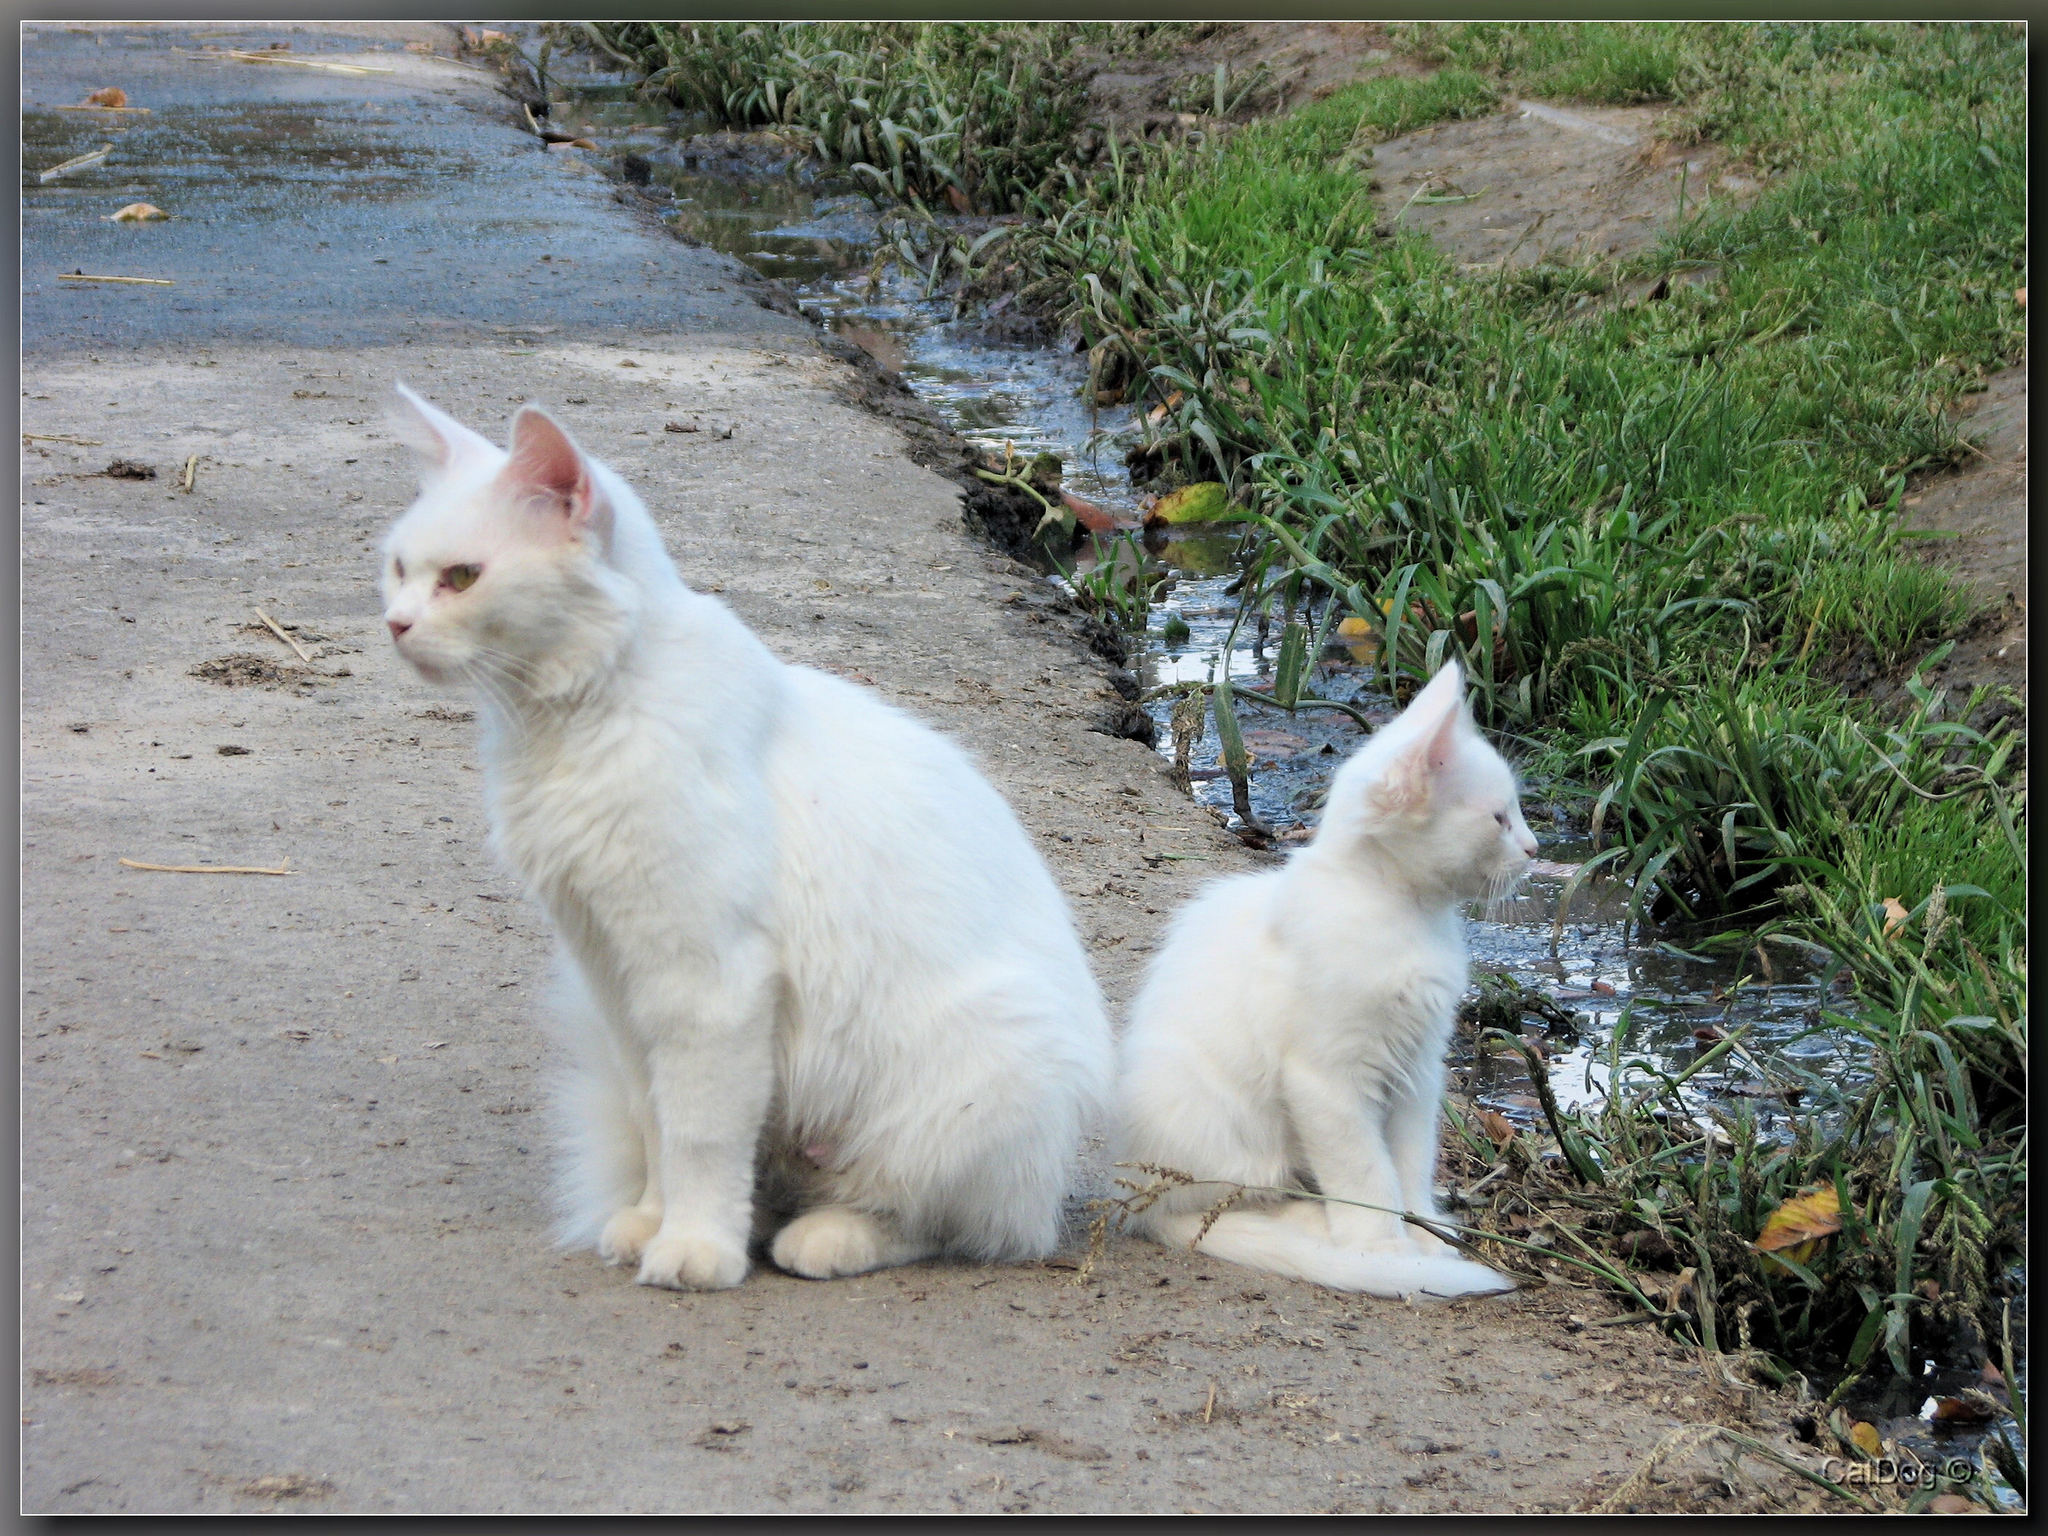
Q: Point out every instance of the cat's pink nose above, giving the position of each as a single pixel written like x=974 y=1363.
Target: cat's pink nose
x=397 y=626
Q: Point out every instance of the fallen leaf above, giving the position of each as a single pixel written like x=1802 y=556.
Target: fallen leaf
x=959 y=200
x=1087 y=514
x=107 y=96
x=1866 y=1439
x=1797 y=1227
x=137 y=213
x=1500 y=1130
x=1355 y=628
x=1895 y=915
x=1706 y=1034
x=1159 y=413
x=1973 y=1408
x=1604 y=988
x=1204 y=502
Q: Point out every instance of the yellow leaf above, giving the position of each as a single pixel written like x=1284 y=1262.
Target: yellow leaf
x=1866 y=1438
x=1894 y=915
x=1797 y=1227
x=1201 y=503
x=137 y=213
x=1355 y=628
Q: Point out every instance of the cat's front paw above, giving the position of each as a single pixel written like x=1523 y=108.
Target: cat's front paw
x=626 y=1236
x=692 y=1261
x=828 y=1242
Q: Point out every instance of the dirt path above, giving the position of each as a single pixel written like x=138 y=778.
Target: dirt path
x=1979 y=511
x=283 y=1214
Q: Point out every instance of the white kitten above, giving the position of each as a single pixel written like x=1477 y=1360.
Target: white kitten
x=1292 y=1031
x=802 y=938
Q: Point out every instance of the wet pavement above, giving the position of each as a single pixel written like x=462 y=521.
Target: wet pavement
x=311 y=208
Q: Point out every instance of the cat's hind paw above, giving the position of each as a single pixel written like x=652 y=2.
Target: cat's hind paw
x=626 y=1236
x=692 y=1261
x=1462 y=1277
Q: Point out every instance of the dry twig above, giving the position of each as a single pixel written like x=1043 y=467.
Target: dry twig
x=211 y=869
x=76 y=163
x=272 y=624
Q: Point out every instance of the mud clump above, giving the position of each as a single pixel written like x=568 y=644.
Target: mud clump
x=246 y=669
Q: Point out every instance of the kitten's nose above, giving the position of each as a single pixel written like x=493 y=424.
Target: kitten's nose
x=1529 y=848
x=398 y=626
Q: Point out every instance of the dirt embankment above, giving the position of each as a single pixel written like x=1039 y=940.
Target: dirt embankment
x=283 y=1215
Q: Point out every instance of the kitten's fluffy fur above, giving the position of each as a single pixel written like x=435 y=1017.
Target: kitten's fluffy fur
x=1292 y=1031
x=805 y=945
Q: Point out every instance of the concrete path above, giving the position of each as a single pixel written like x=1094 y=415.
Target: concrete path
x=283 y=1214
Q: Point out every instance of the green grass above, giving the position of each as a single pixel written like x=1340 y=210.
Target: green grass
x=976 y=115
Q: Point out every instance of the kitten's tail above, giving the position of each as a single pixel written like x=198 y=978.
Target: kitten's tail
x=1280 y=1244
x=604 y=1161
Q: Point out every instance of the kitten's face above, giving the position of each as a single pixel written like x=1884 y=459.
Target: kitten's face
x=495 y=575
x=1433 y=794
x=1475 y=827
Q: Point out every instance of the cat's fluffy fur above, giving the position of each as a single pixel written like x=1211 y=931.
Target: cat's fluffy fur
x=809 y=958
x=1291 y=1032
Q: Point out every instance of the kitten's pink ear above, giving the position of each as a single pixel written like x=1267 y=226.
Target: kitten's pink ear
x=438 y=438
x=548 y=468
x=1429 y=729
x=1440 y=711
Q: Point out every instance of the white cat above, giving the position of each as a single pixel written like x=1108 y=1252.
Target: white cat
x=1292 y=1031
x=804 y=943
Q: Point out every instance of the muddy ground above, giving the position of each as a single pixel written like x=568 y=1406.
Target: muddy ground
x=283 y=1214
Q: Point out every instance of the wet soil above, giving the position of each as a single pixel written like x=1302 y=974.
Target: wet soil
x=1979 y=511
x=1546 y=181
x=1268 y=67
x=283 y=1167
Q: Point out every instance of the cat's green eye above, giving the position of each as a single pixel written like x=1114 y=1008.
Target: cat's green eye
x=461 y=578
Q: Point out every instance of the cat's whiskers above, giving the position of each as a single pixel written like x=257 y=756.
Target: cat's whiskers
x=1501 y=887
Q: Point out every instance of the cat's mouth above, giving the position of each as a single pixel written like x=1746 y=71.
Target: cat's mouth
x=427 y=667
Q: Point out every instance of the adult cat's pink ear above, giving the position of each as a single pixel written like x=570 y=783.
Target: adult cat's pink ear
x=548 y=468
x=438 y=438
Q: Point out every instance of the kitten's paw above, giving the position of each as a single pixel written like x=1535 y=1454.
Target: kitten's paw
x=692 y=1261
x=626 y=1236
x=830 y=1241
